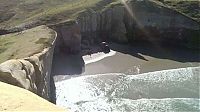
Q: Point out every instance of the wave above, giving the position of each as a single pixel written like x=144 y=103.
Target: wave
x=150 y=105
x=97 y=57
x=180 y=85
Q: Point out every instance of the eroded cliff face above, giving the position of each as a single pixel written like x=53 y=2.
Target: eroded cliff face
x=31 y=73
x=103 y=25
x=139 y=21
x=69 y=37
x=155 y=22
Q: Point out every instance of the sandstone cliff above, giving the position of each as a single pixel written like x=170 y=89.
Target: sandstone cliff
x=69 y=37
x=138 y=20
x=32 y=72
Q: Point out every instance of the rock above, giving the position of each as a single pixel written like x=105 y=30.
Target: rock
x=140 y=20
x=149 y=21
x=94 y=22
x=71 y=36
x=19 y=73
x=118 y=31
x=42 y=63
x=106 y=49
x=104 y=46
x=31 y=73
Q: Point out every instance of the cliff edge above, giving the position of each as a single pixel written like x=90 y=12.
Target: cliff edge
x=27 y=59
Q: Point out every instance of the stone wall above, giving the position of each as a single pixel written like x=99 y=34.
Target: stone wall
x=31 y=73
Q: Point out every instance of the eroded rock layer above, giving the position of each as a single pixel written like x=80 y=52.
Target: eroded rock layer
x=137 y=20
x=31 y=73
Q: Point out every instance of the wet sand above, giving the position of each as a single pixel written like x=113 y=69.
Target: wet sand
x=130 y=60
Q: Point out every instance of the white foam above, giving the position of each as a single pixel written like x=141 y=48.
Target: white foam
x=97 y=57
x=150 y=105
x=87 y=92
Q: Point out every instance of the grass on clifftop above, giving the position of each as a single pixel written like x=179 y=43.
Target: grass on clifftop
x=30 y=13
x=190 y=8
x=25 y=12
x=26 y=43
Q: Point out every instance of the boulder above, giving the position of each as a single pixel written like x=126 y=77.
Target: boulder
x=19 y=73
x=105 y=48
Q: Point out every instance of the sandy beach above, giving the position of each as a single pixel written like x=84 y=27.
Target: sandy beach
x=126 y=59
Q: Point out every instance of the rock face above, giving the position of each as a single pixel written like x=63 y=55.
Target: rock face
x=69 y=38
x=20 y=73
x=139 y=20
x=130 y=21
x=118 y=26
x=31 y=73
x=157 y=23
x=104 y=25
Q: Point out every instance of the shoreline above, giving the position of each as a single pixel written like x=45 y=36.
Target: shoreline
x=95 y=57
x=123 y=59
x=76 y=92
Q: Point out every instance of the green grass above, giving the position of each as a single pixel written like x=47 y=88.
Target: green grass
x=24 y=12
x=28 y=13
x=36 y=12
x=26 y=43
x=21 y=13
x=188 y=7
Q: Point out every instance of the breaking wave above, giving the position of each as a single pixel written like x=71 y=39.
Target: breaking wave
x=167 y=90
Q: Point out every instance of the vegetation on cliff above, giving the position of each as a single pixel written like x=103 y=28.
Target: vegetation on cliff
x=188 y=7
x=29 y=13
x=26 y=43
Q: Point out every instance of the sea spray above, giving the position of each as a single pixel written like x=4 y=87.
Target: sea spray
x=102 y=91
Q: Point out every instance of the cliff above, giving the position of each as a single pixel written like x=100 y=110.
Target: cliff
x=136 y=20
x=69 y=37
x=29 y=66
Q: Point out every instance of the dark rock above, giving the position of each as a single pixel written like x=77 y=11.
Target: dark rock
x=105 y=48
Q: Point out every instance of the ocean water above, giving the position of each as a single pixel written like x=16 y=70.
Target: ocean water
x=167 y=90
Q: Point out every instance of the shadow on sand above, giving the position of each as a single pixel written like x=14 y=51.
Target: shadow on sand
x=68 y=65
x=65 y=64
x=158 y=51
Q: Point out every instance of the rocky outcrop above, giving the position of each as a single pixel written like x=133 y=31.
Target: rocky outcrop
x=139 y=20
x=149 y=20
x=20 y=73
x=42 y=63
x=104 y=25
x=69 y=38
x=3 y=32
x=17 y=99
x=31 y=73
